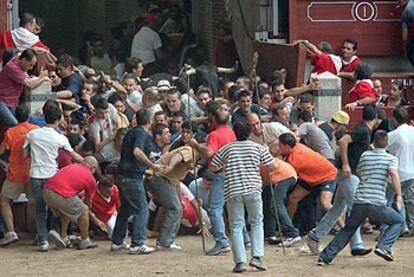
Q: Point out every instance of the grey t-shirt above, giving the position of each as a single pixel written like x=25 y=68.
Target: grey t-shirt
x=316 y=139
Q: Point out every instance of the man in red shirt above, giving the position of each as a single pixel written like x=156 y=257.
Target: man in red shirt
x=105 y=205
x=221 y=136
x=61 y=194
x=349 y=59
x=17 y=172
x=363 y=92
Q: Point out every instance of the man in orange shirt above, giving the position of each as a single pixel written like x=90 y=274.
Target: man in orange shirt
x=315 y=173
x=18 y=170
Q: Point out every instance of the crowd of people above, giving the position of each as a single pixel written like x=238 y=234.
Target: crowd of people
x=119 y=155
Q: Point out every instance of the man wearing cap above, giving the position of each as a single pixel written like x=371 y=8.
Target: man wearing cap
x=339 y=120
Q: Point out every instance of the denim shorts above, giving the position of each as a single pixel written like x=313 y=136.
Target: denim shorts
x=325 y=186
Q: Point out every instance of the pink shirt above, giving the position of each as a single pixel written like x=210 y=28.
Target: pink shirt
x=11 y=83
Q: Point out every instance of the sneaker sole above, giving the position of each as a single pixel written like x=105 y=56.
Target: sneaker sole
x=258 y=267
x=59 y=243
x=385 y=257
x=9 y=242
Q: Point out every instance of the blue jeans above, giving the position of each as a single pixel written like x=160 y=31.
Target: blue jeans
x=236 y=209
x=359 y=213
x=279 y=192
x=344 y=197
x=7 y=117
x=215 y=207
x=133 y=202
x=41 y=208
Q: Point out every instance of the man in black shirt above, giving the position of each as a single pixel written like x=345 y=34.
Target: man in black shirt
x=339 y=120
x=71 y=85
x=351 y=147
x=245 y=107
x=131 y=170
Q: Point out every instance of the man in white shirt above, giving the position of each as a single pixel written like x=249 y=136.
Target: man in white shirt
x=43 y=145
x=147 y=44
x=401 y=144
x=270 y=131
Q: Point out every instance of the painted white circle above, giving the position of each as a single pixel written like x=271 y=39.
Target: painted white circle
x=365 y=11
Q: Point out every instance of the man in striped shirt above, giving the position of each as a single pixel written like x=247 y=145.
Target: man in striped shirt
x=242 y=187
x=374 y=168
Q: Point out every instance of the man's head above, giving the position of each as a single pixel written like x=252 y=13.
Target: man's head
x=174 y=101
x=88 y=148
x=27 y=59
x=380 y=139
x=143 y=117
x=75 y=127
x=278 y=91
x=22 y=113
x=221 y=117
x=177 y=120
x=53 y=114
x=305 y=116
x=369 y=113
x=397 y=88
x=245 y=101
x=363 y=71
x=326 y=47
x=188 y=129
x=28 y=21
x=134 y=65
x=161 y=134
x=98 y=47
x=118 y=100
x=306 y=102
x=129 y=82
x=287 y=142
x=101 y=108
x=160 y=117
x=254 y=122
x=265 y=98
x=105 y=187
x=150 y=97
x=40 y=24
x=75 y=141
x=377 y=87
x=244 y=82
x=203 y=96
x=281 y=113
x=163 y=87
x=65 y=66
x=349 y=48
x=91 y=163
x=340 y=119
x=400 y=116
x=90 y=88
x=242 y=130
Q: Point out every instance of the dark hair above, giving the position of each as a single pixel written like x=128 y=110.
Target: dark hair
x=22 y=113
x=400 y=114
x=305 y=116
x=131 y=63
x=203 y=89
x=175 y=91
x=49 y=104
x=278 y=78
x=158 y=113
x=65 y=60
x=105 y=182
x=242 y=130
x=74 y=139
x=244 y=93
x=353 y=42
x=363 y=71
x=369 y=113
x=131 y=76
x=381 y=113
x=116 y=97
x=28 y=54
x=399 y=84
x=234 y=92
x=157 y=129
x=89 y=146
x=263 y=91
x=212 y=106
x=178 y=114
x=40 y=21
x=26 y=18
x=287 y=139
x=246 y=80
x=326 y=47
x=306 y=98
x=278 y=107
x=9 y=54
x=221 y=117
x=143 y=117
x=186 y=126
x=380 y=139
x=111 y=169
x=52 y=114
x=101 y=103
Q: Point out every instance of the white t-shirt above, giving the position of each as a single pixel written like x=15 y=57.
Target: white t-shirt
x=44 y=146
x=135 y=97
x=401 y=144
x=144 y=44
x=187 y=192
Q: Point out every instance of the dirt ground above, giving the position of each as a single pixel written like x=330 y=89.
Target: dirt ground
x=23 y=259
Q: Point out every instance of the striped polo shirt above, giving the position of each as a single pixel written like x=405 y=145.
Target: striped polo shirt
x=373 y=173
x=241 y=160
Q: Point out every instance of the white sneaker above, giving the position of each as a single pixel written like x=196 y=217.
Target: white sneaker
x=44 y=246
x=173 y=246
x=119 y=247
x=56 y=239
x=9 y=238
x=141 y=249
x=289 y=242
x=312 y=244
x=86 y=244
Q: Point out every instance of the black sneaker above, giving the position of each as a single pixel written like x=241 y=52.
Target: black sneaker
x=321 y=262
x=386 y=255
x=361 y=252
x=258 y=264
x=239 y=268
x=218 y=249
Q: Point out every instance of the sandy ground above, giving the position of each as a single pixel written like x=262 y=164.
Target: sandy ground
x=23 y=259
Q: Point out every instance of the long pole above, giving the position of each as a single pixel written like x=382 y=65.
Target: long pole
x=272 y=193
x=203 y=240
